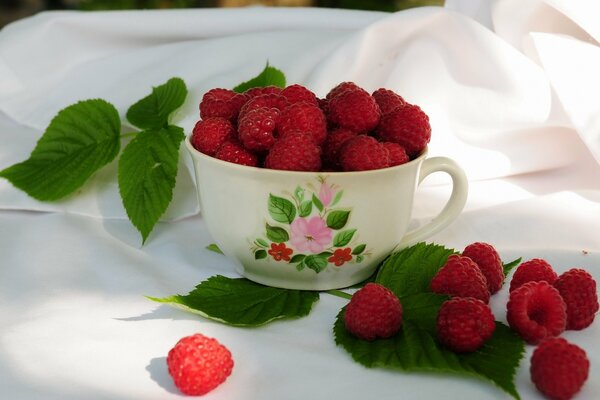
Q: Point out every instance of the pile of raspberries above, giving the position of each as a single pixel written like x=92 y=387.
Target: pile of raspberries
x=541 y=306
x=292 y=129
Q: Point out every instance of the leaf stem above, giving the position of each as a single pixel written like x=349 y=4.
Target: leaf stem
x=339 y=293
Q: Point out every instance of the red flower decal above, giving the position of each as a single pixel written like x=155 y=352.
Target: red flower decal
x=279 y=252
x=340 y=256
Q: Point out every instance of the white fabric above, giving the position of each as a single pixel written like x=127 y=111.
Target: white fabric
x=510 y=88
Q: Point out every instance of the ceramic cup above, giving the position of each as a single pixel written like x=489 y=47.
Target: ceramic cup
x=316 y=230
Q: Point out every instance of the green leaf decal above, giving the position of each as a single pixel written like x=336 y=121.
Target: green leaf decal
x=147 y=172
x=281 y=210
x=153 y=111
x=268 y=77
x=79 y=140
x=315 y=262
x=317 y=202
x=297 y=258
x=343 y=238
x=277 y=234
x=360 y=258
x=242 y=302
x=337 y=219
x=305 y=208
x=337 y=197
x=299 y=193
x=214 y=247
x=359 y=249
x=262 y=242
x=260 y=254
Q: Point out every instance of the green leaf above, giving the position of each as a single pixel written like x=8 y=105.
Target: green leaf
x=281 y=210
x=337 y=219
x=269 y=76
x=316 y=262
x=343 y=238
x=317 y=202
x=153 y=111
x=360 y=258
x=305 y=208
x=241 y=302
x=79 y=140
x=262 y=242
x=147 y=172
x=337 y=197
x=297 y=258
x=299 y=193
x=214 y=247
x=259 y=254
x=509 y=266
x=359 y=249
x=277 y=234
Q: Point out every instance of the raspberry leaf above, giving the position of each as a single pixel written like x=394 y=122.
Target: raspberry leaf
x=153 y=111
x=268 y=77
x=79 y=140
x=510 y=266
x=147 y=172
x=214 y=247
x=241 y=302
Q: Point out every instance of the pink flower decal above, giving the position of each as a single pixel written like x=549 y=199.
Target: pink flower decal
x=310 y=234
x=325 y=194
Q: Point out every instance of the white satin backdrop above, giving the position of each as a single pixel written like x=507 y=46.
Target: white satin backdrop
x=510 y=87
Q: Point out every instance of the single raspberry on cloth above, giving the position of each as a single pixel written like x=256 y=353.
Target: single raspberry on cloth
x=298 y=93
x=558 y=368
x=460 y=277
x=535 y=269
x=233 y=151
x=387 y=100
x=223 y=103
x=303 y=117
x=488 y=260
x=396 y=153
x=363 y=153
x=256 y=128
x=464 y=324
x=578 y=289
x=408 y=126
x=334 y=141
x=198 y=364
x=536 y=311
x=209 y=134
x=296 y=151
x=354 y=109
x=374 y=312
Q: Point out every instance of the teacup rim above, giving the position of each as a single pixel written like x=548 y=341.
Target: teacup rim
x=247 y=169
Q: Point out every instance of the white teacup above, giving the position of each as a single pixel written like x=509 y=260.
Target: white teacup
x=316 y=230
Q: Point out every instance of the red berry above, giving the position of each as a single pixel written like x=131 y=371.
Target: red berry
x=268 y=100
x=464 y=324
x=209 y=134
x=257 y=91
x=296 y=151
x=387 y=100
x=488 y=260
x=298 y=93
x=198 y=364
x=578 y=290
x=533 y=270
x=223 y=103
x=233 y=151
x=396 y=153
x=374 y=312
x=306 y=118
x=536 y=311
x=559 y=369
x=355 y=110
x=460 y=277
x=408 y=126
x=363 y=153
x=340 y=88
x=333 y=143
x=257 y=128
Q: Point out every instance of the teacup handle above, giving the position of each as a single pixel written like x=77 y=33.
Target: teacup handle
x=454 y=205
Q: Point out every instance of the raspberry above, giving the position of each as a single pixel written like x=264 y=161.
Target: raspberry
x=198 y=364
x=298 y=93
x=306 y=118
x=269 y=100
x=257 y=91
x=333 y=143
x=460 y=277
x=209 y=134
x=340 y=88
x=296 y=151
x=464 y=324
x=559 y=368
x=373 y=312
x=533 y=270
x=354 y=109
x=233 y=151
x=396 y=153
x=487 y=259
x=257 y=128
x=578 y=290
x=408 y=126
x=387 y=100
x=536 y=311
x=222 y=103
x=363 y=153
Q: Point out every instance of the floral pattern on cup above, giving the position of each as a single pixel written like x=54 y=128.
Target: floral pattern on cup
x=309 y=229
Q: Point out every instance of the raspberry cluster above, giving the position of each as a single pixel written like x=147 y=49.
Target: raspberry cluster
x=292 y=129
